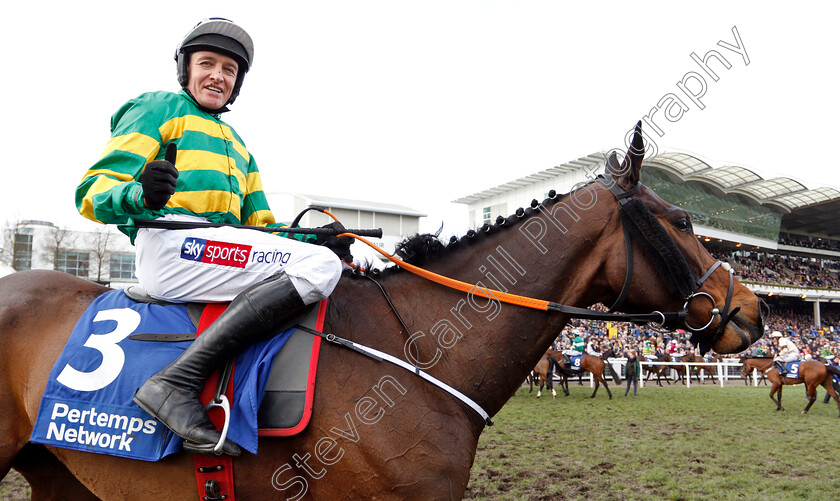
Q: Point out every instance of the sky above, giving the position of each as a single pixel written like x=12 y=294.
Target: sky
x=421 y=103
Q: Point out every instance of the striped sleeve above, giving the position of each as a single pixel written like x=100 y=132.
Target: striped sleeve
x=255 y=210
x=110 y=191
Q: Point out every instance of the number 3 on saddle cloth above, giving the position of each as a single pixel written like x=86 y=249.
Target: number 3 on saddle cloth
x=88 y=406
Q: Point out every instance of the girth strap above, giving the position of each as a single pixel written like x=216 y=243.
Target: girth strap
x=380 y=356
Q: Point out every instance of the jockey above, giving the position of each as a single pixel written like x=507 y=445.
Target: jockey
x=577 y=344
x=592 y=348
x=268 y=278
x=576 y=350
x=648 y=350
x=788 y=352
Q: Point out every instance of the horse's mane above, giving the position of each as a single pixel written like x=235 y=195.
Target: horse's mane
x=422 y=249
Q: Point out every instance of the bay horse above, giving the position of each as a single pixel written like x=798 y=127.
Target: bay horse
x=378 y=431
x=812 y=373
x=694 y=370
x=589 y=363
x=551 y=363
x=543 y=374
x=658 y=370
x=760 y=364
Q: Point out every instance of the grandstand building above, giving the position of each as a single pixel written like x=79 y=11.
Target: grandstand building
x=782 y=238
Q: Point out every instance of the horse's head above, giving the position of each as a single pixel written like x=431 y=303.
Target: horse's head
x=670 y=271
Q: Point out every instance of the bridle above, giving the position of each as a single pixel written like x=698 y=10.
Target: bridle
x=679 y=318
x=634 y=211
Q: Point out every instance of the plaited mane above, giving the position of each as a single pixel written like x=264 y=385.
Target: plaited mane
x=422 y=249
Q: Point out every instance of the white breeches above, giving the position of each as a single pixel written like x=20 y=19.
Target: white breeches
x=216 y=264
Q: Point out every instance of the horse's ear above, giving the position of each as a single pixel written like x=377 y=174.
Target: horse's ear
x=612 y=167
x=628 y=173
x=636 y=153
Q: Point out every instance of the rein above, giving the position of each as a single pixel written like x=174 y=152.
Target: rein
x=663 y=319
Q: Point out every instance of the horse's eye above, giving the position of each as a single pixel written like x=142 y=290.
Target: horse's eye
x=683 y=224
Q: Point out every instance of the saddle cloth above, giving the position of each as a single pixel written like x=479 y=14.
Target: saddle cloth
x=792 y=370
x=574 y=365
x=88 y=406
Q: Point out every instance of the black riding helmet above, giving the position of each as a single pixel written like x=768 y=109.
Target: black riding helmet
x=218 y=35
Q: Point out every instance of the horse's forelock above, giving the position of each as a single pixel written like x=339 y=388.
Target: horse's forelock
x=658 y=246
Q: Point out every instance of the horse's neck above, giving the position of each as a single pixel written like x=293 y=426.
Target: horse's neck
x=498 y=344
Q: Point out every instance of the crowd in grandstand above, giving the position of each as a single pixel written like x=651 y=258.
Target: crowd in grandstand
x=621 y=338
x=783 y=270
x=811 y=243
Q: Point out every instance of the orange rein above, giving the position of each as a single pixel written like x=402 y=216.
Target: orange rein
x=527 y=302
x=504 y=297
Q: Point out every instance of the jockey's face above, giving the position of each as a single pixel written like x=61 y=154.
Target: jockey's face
x=212 y=77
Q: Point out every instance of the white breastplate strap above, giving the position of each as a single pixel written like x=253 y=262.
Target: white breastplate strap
x=380 y=356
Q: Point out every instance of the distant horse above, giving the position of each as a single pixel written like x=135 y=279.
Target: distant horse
x=590 y=363
x=811 y=373
x=543 y=374
x=482 y=342
x=657 y=370
x=710 y=368
x=758 y=363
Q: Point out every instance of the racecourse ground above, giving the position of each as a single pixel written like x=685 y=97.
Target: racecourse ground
x=667 y=443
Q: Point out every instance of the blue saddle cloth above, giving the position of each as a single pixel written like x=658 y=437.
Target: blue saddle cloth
x=88 y=406
x=575 y=363
x=792 y=370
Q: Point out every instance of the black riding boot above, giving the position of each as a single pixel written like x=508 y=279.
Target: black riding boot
x=172 y=395
x=781 y=367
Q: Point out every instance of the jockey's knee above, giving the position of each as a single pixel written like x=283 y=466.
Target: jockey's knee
x=315 y=276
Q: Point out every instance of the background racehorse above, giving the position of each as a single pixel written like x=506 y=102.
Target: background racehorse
x=590 y=363
x=658 y=370
x=543 y=374
x=759 y=363
x=379 y=431
x=812 y=373
x=694 y=370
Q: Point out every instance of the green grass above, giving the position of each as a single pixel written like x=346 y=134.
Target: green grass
x=666 y=443
x=14 y=487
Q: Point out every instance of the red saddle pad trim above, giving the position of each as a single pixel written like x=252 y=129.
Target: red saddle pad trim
x=209 y=468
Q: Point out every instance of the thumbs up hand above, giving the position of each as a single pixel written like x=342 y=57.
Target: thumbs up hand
x=159 y=179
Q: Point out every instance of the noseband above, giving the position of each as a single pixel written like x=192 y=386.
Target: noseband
x=638 y=220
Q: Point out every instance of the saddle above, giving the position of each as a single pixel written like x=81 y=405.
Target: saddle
x=792 y=370
x=287 y=399
x=574 y=362
x=123 y=338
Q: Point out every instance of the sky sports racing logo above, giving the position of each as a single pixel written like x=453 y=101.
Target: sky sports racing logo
x=212 y=252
